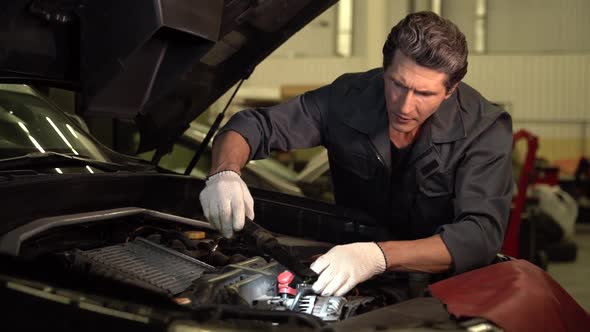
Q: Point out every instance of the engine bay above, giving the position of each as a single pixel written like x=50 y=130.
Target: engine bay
x=194 y=266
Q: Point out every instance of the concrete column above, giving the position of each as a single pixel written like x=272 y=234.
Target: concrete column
x=382 y=15
x=376 y=31
x=396 y=11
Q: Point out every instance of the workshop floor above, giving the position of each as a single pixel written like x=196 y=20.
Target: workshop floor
x=575 y=276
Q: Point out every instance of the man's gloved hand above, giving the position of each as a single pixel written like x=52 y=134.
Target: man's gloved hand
x=345 y=266
x=225 y=201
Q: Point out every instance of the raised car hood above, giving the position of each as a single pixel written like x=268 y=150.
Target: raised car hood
x=161 y=62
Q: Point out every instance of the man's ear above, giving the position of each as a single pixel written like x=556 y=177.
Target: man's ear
x=451 y=91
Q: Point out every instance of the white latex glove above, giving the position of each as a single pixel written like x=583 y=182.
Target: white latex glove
x=345 y=266
x=225 y=201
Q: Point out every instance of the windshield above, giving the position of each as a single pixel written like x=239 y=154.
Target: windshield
x=28 y=123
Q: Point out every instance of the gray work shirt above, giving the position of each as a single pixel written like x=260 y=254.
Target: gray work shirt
x=457 y=181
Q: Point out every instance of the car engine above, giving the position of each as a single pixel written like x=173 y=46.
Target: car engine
x=236 y=279
x=196 y=266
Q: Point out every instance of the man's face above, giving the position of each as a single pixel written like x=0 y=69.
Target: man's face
x=412 y=93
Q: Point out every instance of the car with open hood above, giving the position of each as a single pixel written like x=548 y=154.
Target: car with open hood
x=93 y=239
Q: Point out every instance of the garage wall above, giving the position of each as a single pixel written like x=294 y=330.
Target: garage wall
x=535 y=86
x=526 y=26
x=547 y=94
x=538 y=25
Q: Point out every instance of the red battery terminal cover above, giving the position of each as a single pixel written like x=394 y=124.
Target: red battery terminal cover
x=283 y=280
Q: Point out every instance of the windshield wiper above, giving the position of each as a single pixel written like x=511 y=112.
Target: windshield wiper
x=54 y=159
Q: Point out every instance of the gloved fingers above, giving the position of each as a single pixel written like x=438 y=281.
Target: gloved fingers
x=320 y=264
x=248 y=203
x=225 y=221
x=323 y=280
x=335 y=284
x=237 y=207
x=213 y=215
x=204 y=204
x=348 y=285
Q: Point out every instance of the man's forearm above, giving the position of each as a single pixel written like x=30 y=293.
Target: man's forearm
x=423 y=255
x=230 y=152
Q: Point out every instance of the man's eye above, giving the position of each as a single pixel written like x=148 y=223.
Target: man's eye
x=424 y=94
x=398 y=84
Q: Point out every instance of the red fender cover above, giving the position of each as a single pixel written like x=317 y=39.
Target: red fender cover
x=515 y=295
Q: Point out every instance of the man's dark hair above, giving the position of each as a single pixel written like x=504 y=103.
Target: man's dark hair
x=431 y=41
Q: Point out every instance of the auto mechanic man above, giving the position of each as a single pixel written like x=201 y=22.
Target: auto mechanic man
x=423 y=153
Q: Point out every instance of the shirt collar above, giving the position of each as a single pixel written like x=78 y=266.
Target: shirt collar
x=446 y=124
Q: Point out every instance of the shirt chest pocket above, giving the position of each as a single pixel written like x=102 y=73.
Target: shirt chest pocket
x=432 y=180
x=437 y=184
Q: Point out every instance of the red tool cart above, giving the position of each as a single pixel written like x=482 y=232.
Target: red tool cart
x=511 y=246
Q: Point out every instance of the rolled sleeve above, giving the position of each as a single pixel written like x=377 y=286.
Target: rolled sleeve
x=294 y=124
x=483 y=187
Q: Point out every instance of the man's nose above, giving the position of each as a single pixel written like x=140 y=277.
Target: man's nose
x=407 y=102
